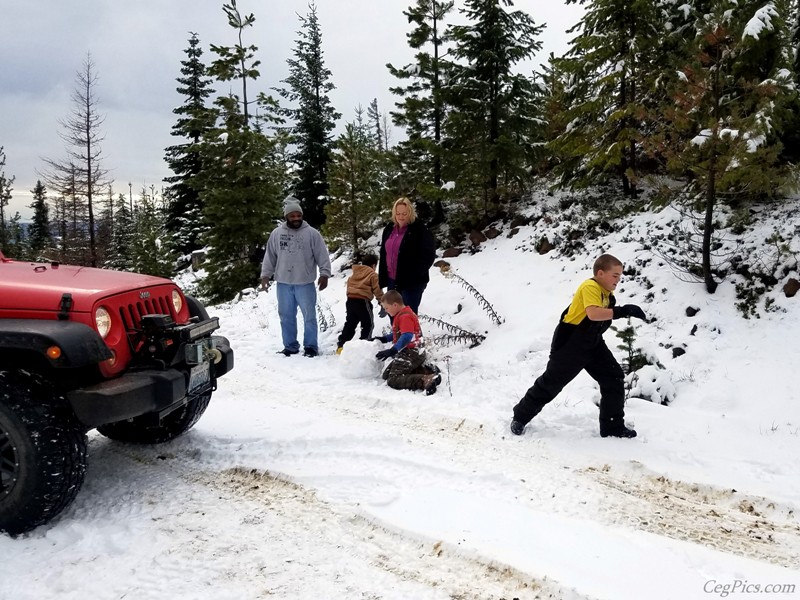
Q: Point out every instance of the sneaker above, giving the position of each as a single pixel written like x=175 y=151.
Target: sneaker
x=619 y=431
x=287 y=352
x=310 y=352
x=430 y=387
x=339 y=350
x=517 y=427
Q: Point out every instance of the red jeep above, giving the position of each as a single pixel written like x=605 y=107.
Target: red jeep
x=82 y=348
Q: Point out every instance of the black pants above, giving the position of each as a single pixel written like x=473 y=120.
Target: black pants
x=359 y=310
x=574 y=350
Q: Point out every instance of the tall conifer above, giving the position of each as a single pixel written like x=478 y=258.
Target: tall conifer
x=493 y=121
x=184 y=210
x=312 y=118
x=422 y=109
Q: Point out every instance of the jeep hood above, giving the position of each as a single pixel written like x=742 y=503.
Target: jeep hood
x=40 y=286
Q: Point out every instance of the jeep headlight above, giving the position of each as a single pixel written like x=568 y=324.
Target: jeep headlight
x=102 y=320
x=177 y=301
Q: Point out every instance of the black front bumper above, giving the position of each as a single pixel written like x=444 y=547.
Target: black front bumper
x=140 y=392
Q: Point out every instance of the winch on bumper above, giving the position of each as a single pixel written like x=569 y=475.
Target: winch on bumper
x=176 y=363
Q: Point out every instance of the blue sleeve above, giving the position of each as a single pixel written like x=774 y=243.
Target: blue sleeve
x=403 y=341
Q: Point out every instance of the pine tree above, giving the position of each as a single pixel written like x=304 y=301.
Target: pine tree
x=184 y=213
x=312 y=118
x=39 y=233
x=120 y=253
x=82 y=174
x=149 y=252
x=493 y=120
x=354 y=189
x=237 y=61
x=377 y=131
x=241 y=197
x=5 y=197
x=552 y=101
x=612 y=67
x=722 y=130
x=16 y=242
x=423 y=109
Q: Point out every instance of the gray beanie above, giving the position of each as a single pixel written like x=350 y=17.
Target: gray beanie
x=290 y=205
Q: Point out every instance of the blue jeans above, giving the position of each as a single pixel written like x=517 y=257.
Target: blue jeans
x=290 y=297
x=411 y=296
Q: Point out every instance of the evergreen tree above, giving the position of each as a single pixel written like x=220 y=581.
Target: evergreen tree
x=354 y=187
x=377 y=131
x=312 y=118
x=237 y=61
x=149 y=252
x=239 y=179
x=39 y=233
x=423 y=109
x=184 y=212
x=5 y=197
x=552 y=100
x=612 y=68
x=722 y=130
x=120 y=253
x=493 y=121
x=16 y=242
x=790 y=134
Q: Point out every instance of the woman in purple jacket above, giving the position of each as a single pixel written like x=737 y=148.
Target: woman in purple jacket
x=407 y=253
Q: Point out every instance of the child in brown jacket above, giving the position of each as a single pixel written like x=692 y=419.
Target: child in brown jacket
x=362 y=287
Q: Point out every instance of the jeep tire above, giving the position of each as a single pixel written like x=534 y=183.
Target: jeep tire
x=42 y=452
x=141 y=430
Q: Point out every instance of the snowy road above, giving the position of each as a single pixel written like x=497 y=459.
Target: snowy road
x=309 y=478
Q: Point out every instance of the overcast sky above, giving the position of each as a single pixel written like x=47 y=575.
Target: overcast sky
x=137 y=47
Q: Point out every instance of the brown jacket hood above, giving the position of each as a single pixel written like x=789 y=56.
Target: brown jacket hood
x=363 y=283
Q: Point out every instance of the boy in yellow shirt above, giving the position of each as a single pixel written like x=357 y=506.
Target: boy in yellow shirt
x=578 y=344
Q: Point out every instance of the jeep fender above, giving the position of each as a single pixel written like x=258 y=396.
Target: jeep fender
x=80 y=344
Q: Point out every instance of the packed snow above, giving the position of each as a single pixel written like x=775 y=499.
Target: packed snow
x=310 y=478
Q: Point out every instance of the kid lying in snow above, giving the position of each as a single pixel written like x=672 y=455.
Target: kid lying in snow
x=407 y=371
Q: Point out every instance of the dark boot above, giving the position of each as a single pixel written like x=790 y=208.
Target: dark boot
x=615 y=427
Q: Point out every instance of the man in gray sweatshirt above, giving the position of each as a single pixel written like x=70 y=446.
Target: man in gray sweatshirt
x=294 y=252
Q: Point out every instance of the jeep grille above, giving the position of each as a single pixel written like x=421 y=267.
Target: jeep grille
x=132 y=314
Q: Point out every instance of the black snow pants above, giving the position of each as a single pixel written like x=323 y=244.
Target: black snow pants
x=576 y=348
x=358 y=310
x=407 y=370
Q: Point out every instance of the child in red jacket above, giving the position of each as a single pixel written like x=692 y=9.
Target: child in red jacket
x=407 y=371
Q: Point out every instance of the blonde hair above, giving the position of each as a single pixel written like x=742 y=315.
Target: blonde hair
x=412 y=214
x=392 y=297
x=605 y=262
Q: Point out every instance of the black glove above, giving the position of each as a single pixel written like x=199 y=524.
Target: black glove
x=384 y=354
x=382 y=312
x=628 y=310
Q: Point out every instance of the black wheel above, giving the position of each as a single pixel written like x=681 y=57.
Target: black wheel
x=142 y=430
x=42 y=453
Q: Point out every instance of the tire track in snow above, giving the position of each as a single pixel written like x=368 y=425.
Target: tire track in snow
x=717 y=518
x=431 y=563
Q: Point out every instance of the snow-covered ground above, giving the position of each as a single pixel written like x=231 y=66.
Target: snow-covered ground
x=310 y=478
